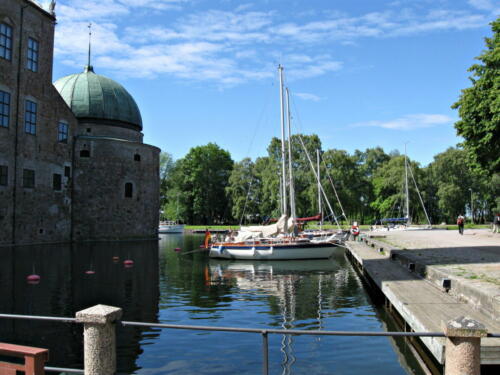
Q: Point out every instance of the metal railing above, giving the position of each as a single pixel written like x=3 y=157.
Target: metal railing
x=263 y=332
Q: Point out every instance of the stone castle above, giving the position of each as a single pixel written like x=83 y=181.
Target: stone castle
x=73 y=166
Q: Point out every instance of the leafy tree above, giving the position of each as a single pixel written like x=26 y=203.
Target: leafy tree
x=479 y=107
x=243 y=190
x=199 y=183
x=167 y=165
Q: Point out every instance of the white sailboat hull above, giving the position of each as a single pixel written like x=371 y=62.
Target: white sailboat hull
x=272 y=252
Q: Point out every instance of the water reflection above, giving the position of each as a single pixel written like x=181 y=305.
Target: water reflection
x=186 y=287
x=73 y=278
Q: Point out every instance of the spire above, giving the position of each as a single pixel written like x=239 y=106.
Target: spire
x=89 y=67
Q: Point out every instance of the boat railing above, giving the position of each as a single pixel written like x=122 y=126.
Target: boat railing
x=100 y=318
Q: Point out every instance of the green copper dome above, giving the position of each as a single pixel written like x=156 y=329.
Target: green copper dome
x=96 y=98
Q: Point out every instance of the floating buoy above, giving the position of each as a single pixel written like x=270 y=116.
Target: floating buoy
x=33 y=279
x=202 y=246
x=177 y=249
x=128 y=263
x=116 y=259
x=89 y=272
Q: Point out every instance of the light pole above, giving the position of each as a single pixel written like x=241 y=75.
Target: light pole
x=471 y=207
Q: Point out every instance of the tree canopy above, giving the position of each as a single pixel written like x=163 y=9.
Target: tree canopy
x=479 y=108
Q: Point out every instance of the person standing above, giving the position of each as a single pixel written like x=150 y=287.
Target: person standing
x=460 y=223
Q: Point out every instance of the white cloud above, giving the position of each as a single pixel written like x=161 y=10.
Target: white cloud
x=409 y=122
x=229 y=47
x=308 y=96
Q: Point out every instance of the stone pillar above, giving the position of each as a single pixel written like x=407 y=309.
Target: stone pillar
x=99 y=338
x=463 y=346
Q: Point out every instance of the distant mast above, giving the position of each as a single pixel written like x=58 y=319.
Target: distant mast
x=406 y=188
x=293 y=214
x=320 y=209
x=283 y=154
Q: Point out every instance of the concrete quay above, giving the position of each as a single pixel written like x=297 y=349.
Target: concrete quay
x=434 y=276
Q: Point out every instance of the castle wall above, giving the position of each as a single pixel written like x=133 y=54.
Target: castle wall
x=39 y=213
x=101 y=208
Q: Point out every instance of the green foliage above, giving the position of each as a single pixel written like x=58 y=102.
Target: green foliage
x=479 y=108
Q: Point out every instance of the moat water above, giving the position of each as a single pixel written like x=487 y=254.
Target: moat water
x=186 y=287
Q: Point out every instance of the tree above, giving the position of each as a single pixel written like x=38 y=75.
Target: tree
x=479 y=108
x=167 y=165
x=199 y=184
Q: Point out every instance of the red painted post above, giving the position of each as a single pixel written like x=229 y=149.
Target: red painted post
x=34 y=359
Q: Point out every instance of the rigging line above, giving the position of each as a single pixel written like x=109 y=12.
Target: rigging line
x=246 y=200
x=316 y=177
x=312 y=165
x=418 y=191
x=334 y=189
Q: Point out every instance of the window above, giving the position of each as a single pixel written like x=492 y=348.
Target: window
x=56 y=181
x=28 y=178
x=67 y=171
x=85 y=154
x=5 y=41
x=4 y=175
x=32 y=62
x=62 y=132
x=137 y=157
x=129 y=190
x=4 y=108
x=30 y=117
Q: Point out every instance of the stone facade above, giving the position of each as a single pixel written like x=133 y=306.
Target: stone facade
x=40 y=201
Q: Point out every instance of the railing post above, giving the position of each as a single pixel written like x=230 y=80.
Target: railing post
x=463 y=346
x=99 y=338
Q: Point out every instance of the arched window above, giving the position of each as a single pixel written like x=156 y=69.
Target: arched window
x=129 y=190
x=137 y=157
x=85 y=154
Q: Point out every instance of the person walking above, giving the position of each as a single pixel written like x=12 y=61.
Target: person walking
x=496 y=223
x=460 y=223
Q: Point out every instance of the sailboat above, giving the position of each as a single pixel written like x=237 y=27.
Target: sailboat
x=404 y=223
x=276 y=241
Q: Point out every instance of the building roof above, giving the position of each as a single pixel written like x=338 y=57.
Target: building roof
x=96 y=98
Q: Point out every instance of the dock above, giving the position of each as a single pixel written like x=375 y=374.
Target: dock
x=432 y=277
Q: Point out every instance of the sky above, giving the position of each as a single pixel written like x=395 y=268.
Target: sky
x=361 y=73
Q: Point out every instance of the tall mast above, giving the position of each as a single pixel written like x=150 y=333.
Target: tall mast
x=406 y=189
x=320 y=209
x=283 y=155
x=290 y=173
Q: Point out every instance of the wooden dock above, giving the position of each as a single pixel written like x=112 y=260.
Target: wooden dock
x=424 y=306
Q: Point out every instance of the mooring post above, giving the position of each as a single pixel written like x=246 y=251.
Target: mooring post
x=463 y=346
x=99 y=338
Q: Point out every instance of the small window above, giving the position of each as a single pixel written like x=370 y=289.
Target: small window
x=89 y=130
x=5 y=41
x=85 y=154
x=28 y=178
x=129 y=190
x=32 y=61
x=4 y=175
x=62 y=132
x=30 y=117
x=137 y=157
x=67 y=171
x=56 y=181
x=4 y=108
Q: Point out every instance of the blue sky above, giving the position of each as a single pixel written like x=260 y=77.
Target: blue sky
x=362 y=73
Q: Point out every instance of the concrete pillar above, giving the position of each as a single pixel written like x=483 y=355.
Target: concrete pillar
x=463 y=346
x=99 y=338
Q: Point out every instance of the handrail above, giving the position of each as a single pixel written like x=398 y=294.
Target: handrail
x=263 y=331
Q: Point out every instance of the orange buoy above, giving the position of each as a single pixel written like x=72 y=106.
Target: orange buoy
x=116 y=259
x=89 y=272
x=177 y=249
x=128 y=263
